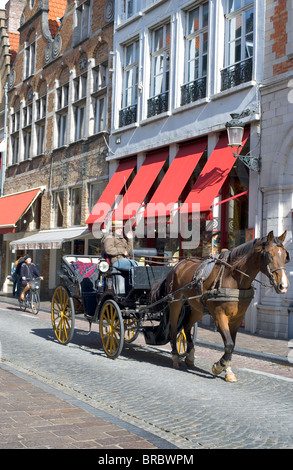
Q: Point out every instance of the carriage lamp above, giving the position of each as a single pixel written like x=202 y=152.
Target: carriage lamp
x=103 y=266
x=235 y=131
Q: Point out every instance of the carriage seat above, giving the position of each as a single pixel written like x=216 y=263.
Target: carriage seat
x=121 y=280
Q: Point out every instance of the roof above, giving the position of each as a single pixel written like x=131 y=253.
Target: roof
x=56 y=10
x=13 y=45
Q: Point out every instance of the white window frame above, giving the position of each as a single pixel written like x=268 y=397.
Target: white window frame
x=99 y=98
x=160 y=76
x=62 y=115
x=130 y=74
x=231 y=16
x=29 y=60
x=194 y=36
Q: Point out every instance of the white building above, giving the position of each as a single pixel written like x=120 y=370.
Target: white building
x=180 y=69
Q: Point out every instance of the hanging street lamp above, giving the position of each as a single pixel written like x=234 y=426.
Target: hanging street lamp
x=235 y=131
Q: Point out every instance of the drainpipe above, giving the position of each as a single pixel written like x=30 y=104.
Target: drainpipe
x=3 y=162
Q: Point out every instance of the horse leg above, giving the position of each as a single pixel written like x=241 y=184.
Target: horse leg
x=224 y=364
x=174 y=309
x=194 y=317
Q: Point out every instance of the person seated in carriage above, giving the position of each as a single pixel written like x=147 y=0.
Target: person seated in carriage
x=119 y=247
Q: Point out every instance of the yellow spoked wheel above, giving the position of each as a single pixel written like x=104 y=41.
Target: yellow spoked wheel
x=181 y=340
x=111 y=329
x=62 y=315
x=131 y=328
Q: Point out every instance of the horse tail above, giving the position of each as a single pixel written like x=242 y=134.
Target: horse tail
x=158 y=291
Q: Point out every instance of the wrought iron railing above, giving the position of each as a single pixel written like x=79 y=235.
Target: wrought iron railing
x=127 y=115
x=236 y=74
x=158 y=104
x=193 y=91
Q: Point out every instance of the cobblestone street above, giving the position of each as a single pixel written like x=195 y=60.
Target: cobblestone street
x=162 y=407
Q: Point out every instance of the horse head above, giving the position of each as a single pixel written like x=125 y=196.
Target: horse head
x=273 y=259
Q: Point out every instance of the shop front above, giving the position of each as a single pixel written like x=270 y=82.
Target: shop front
x=190 y=205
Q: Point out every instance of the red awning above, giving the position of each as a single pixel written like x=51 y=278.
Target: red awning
x=14 y=206
x=175 y=179
x=212 y=177
x=141 y=185
x=112 y=190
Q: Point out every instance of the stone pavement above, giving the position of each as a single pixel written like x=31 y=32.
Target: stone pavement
x=33 y=415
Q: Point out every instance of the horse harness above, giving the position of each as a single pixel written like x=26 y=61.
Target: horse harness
x=216 y=294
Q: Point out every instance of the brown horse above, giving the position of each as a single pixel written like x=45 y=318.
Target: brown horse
x=226 y=292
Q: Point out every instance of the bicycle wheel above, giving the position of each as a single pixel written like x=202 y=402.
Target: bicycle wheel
x=22 y=304
x=35 y=302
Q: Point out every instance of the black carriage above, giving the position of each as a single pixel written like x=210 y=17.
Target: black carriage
x=119 y=301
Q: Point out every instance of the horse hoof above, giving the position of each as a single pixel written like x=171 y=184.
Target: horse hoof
x=189 y=363
x=216 y=369
x=175 y=365
x=231 y=377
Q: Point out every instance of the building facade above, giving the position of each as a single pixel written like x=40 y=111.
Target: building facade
x=59 y=102
x=180 y=70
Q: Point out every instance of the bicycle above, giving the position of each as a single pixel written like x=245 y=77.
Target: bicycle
x=32 y=297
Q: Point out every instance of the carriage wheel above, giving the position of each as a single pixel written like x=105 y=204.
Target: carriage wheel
x=111 y=329
x=62 y=315
x=131 y=328
x=181 y=340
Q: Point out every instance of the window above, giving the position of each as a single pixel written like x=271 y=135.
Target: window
x=40 y=124
x=79 y=122
x=79 y=109
x=15 y=120
x=99 y=97
x=128 y=8
x=29 y=60
x=99 y=104
x=41 y=108
x=196 y=52
x=27 y=115
x=27 y=143
x=62 y=129
x=58 y=208
x=62 y=114
x=238 y=43
x=62 y=96
x=75 y=206
x=79 y=84
x=82 y=29
x=15 y=148
x=160 y=70
x=95 y=191
x=40 y=135
x=100 y=77
x=128 y=113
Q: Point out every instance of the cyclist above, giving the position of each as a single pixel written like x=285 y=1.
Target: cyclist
x=28 y=271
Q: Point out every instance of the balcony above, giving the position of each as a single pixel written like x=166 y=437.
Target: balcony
x=236 y=74
x=158 y=104
x=193 y=91
x=127 y=115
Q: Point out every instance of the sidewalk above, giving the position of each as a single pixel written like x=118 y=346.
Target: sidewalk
x=34 y=415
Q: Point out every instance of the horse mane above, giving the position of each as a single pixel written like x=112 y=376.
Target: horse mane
x=240 y=254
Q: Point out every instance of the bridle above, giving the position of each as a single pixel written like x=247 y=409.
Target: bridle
x=266 y=257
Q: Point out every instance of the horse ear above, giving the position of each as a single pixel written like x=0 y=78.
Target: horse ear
x=282 y=237
x=270 y=237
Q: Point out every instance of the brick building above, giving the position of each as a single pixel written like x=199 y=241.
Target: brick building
x=58 y=119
